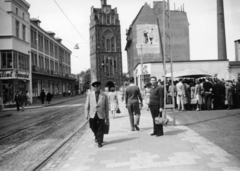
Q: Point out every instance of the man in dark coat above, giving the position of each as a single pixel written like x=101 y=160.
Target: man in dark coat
x=156 y=105
x=22 y=100
x=132 y=98
x=17 y=98
x=238 y=93
x=49 y=97
x=42 y=96
x=218 y=94
x=207 y=86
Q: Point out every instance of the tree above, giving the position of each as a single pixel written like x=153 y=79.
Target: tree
x=87 y=80
x=125 y=77
x=86 y=76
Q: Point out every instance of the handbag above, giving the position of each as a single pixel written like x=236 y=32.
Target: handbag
x=118 y=111
x=106 y=128
x=161 y=121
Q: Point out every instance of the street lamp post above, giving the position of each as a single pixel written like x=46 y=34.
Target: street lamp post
x=141 y=76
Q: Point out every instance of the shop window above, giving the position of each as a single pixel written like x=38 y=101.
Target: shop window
x=4 y=60
x=15 y=59
x=9 y=60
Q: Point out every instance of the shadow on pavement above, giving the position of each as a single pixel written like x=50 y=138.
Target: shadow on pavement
x=145 y=129
x=174 y=132
x=187 y=124
x=117 y=116
x=120 y=140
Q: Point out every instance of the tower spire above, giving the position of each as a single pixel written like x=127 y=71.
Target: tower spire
x=104 y=2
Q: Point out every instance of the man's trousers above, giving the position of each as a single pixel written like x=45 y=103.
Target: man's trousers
x=157 y=129
x=133 y=110
x=97 y=126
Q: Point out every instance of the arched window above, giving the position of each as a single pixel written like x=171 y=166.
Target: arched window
x=103 y=43
x=113 y=44
x=107 y=35
x=108 y=45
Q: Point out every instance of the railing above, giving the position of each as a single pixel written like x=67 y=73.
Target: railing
x=51 y=72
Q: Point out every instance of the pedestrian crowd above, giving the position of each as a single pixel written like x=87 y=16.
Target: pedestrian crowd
x=99 y=104
x=204 y=94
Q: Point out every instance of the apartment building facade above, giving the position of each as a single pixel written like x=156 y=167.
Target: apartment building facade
x=31 y=59
x=50 y=62
x=15 y=71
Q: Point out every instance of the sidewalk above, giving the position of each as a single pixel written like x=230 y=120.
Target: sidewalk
x=38 y=104
x=180 y=149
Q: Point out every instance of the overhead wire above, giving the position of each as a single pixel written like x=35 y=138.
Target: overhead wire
x=30 y=28
x=69 y=20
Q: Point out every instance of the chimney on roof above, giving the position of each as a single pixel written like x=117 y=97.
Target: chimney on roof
x=222 y=50
x=35 y=21
x=50 y=33
x=59 y=40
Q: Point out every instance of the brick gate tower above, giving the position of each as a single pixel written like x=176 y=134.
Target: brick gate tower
x=105 y=46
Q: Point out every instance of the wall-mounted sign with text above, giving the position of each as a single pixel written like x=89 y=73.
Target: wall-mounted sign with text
x=4 y=75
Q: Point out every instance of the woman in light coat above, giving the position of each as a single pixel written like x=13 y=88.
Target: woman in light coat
x=113 y=101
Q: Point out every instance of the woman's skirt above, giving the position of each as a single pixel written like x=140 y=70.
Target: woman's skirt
x=199 y=99
x=113 y=106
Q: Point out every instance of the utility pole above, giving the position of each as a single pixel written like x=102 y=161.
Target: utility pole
x=162 y=39
x=141 y=77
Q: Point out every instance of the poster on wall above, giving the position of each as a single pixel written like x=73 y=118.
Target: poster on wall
x=147 y=39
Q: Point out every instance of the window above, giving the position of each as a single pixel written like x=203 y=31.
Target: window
x=16 y=11
x=24 y=32
x=23 y=62
x=4 y=60
x=9 y=60
x=56 y=51
x=41 y=62
x=33 y=36
x=23 y=15
x=15 y=60
x=113 y=44
x=40 y=40
x=56 y=67
x=108 y=45
x=46 y=63
x=52 y=65
x=46 y=45
x=17 y=28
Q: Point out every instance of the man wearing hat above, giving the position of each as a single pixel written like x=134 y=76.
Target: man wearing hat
x=96 y=110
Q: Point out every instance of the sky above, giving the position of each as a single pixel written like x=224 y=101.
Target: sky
x=201 y=14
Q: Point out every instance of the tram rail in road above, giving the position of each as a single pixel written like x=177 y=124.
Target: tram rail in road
x=47 y=157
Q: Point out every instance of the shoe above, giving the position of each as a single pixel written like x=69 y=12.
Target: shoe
x=100 y=145
x=159 y=135
x=137 y=128
x=153 y=134
x=132 y=129
x=96 y=140
x=197 y=110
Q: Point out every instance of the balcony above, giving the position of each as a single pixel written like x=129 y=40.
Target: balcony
x=48 y=72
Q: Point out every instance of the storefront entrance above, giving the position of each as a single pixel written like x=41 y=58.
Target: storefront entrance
x=10 y=88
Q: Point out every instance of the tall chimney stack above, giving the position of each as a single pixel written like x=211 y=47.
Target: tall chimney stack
x=222 y=51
